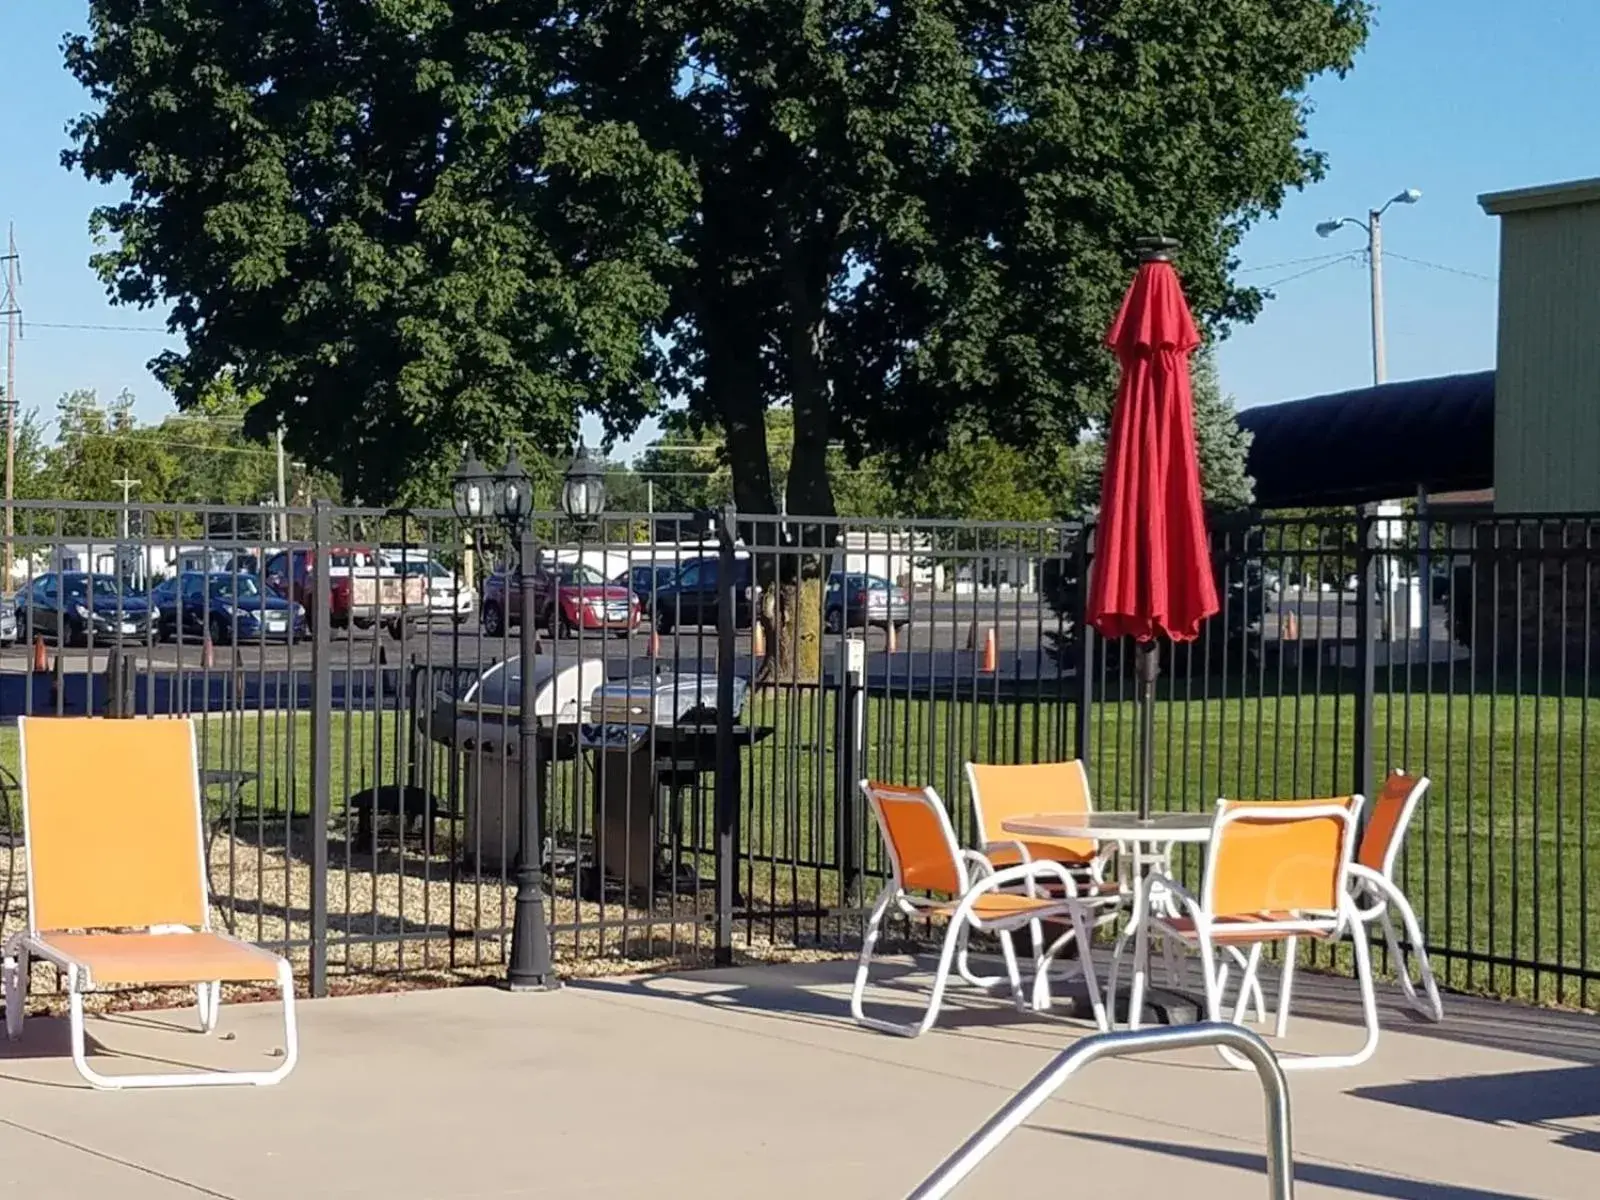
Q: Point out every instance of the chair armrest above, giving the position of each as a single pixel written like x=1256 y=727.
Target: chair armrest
x=1028 y=873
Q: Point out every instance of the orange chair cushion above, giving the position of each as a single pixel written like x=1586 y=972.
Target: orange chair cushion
x=156 y=958
x=1004 y=791
x=1061 y=850
x=994 y=906
x=113 y=823
x=1243 y=929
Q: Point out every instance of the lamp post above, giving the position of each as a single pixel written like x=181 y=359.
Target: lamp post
x=1373 y=226
x=507 y=497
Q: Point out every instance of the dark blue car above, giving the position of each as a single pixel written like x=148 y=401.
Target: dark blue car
x=646 y=580
x=225 y=606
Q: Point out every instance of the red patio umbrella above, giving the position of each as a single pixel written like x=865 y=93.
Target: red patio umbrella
x=1151 y=574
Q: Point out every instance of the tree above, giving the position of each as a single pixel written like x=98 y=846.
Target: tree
x=447 y=222
x=1221 y=446
x=385 y=220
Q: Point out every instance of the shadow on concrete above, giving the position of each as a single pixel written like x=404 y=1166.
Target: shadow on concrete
x=1351 y=1180
x=1541 y=1098
x=818 y=994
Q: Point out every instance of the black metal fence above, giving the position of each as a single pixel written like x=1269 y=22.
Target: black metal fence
x=713 y=685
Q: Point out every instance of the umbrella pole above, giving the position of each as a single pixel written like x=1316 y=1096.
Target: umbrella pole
x=1149 y=667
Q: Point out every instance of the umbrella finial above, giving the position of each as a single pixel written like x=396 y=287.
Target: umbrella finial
x=1156 y=249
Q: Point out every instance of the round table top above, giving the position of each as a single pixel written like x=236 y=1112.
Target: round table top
x=1163 y=827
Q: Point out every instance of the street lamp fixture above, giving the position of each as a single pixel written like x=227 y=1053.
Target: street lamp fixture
x=506 y=496
x=583 y=489
x=1373 y=226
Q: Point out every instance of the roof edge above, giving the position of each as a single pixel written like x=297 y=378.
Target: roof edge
x=1546 y=195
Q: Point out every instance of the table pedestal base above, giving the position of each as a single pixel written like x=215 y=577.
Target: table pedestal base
x=1162 y=1006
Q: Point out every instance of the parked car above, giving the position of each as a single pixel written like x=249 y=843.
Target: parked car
x=857 y=600
x=690 y=597
x=8 y=622
x=361 y=590
x=447 y=596
x=646 y=581
x=569 y=597
x=74 y=607
x=226 y=607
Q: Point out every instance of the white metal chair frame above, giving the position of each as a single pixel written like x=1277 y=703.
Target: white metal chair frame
x=22 y=947
x=963 y=920
x=1344 y=918
x=1091 y=878
x=1375 y=892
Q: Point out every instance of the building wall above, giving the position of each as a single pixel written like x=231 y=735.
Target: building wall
x=1547 y=379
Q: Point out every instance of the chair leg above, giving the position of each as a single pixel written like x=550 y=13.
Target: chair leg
x=15 y=971
x=208 y=1002
x=1432 y=1008
x=291 y=1048
x=1291 y=951
x=964 y=966
x=953 y=936
x=1141 y=968
x=1013 y=972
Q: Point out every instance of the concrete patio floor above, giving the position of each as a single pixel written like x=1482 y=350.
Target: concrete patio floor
x=752 y=1082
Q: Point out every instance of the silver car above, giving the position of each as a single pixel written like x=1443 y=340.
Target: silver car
x=855 y=599
x=8 y=622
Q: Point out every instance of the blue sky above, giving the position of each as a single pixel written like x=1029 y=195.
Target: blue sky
x=1450 y=96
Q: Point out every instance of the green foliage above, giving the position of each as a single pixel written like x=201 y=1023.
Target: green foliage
x=1222 y=447
x=387 y=220
x=414 y=224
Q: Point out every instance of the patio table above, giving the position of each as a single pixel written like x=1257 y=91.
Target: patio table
x=1145 y=847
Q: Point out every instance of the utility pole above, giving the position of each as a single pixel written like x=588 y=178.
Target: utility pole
x=1373 y=227
x=127 y=485
x=1380 y=364
x=280 y=524
x=11 y=306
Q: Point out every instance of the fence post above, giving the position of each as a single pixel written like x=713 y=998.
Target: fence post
x=1083 y=637
x=321 y=743
x=1366 y=648
x=851 y=744
x=729 y=773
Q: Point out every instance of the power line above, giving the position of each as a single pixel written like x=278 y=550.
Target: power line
x=1433 y=266
x=1350 y=257
x=99 y=328
x=1290 y=262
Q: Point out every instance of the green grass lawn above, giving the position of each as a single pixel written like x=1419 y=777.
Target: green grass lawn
x=1499 y=859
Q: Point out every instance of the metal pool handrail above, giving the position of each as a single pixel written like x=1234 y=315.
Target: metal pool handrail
x=1280 y=1154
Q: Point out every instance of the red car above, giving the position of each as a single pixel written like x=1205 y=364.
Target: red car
x=571 y=597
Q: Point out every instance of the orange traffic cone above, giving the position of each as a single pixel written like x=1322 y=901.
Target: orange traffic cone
x=758 y=639
x=653 y=646
x=991 y=656
x=893 y=636
x=1289 y=627
x=208 y=654
x=41 y=660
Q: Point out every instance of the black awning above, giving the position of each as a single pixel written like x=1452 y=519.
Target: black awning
x=1377 y=443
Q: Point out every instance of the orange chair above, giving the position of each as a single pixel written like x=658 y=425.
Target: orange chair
x=1003 y=792
x=1276 y=871
x=1377 y=891
x=117 y=885
x=925 y=858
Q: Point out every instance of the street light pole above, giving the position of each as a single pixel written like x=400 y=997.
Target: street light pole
x=1380 y=364
x=508 y=497
x=1373 y=227
x=530 y=969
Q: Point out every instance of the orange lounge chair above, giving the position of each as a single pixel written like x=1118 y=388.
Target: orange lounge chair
x=1276 y=871
x=117 y=885
x=926 y=858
